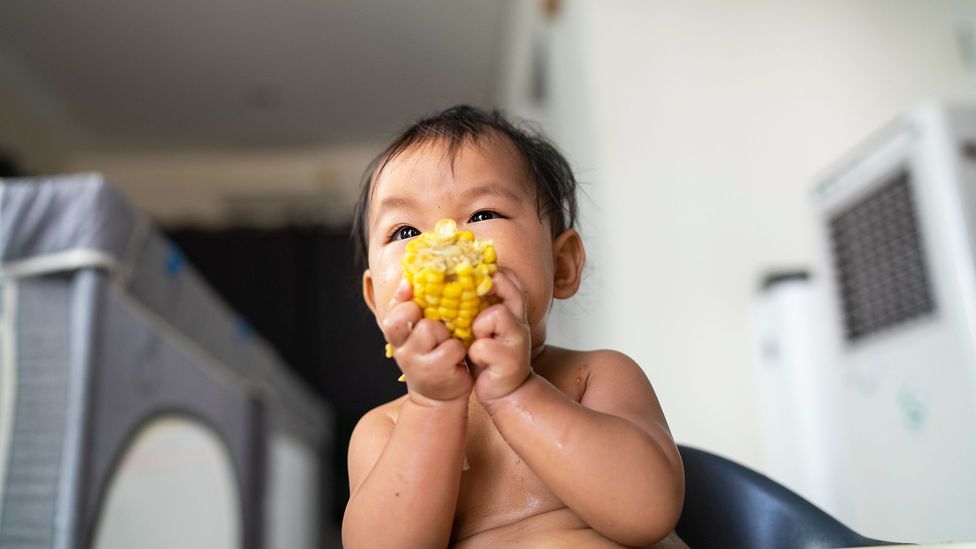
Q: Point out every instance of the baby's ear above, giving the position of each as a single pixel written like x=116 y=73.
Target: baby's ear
x=568 y=258
x=369 y=296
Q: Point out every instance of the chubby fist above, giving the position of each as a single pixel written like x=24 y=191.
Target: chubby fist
x=431 y=359
x=501 y=353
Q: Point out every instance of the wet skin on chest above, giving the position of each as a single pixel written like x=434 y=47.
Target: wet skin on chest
x=497 y=487
x=502 y=501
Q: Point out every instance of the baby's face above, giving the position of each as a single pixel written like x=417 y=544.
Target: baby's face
x=488 y=192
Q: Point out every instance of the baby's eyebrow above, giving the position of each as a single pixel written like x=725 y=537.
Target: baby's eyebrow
x=391 y=203
x=395 y=202
x=405 y=203
x=489 y=189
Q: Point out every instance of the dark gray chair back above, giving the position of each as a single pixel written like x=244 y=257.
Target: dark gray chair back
x=730 y=506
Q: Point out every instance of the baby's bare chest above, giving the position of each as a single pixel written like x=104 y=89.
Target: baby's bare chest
x=497 y=487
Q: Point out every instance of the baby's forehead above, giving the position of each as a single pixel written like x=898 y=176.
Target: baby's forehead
x=481 y=156
x=493 y=145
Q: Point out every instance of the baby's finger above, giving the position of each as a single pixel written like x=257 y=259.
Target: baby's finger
x=440 y=374
x=508 y=288
x=425 y=337
x=399 y=322
x=497 y=322
x=451 y=351
x=492 y=354
x=482 y=353
x=403 y=293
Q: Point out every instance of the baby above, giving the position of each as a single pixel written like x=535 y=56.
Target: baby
x=510 y=441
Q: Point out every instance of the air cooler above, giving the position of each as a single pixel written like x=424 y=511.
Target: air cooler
x=898 y=219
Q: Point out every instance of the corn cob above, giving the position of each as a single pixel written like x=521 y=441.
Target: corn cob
x=450 y=272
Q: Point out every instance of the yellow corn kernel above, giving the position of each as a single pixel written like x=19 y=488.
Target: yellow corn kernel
x=484 y=287
x=489 y=254
x=453 y=289
x=389 y=354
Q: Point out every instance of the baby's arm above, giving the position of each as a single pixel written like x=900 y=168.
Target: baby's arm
x=610 y=458
x=404 y=477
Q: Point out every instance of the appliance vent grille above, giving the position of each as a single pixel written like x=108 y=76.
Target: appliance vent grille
x=879 y=260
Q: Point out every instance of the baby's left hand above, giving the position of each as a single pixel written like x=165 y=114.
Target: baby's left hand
x=502 y=347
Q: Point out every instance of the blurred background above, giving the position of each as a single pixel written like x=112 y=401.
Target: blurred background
x=700 y=131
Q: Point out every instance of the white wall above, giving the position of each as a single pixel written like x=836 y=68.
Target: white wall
x=701 y=125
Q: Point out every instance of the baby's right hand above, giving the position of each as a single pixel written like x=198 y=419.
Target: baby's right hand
x=431 y=359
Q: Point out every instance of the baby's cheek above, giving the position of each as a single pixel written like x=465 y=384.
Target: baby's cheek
x=542 y=295
x=390 y=279
x=389 y=287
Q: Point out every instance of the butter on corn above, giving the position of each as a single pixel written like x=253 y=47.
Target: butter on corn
x=450 y=272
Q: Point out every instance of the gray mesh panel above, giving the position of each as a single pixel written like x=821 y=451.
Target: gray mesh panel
x=36 y=450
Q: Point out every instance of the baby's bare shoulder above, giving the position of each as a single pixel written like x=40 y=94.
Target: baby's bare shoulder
x=382 y=415
x=368 y=439
x=557 y=362
x=577 y=372
x=614 y=364
x=374 y=428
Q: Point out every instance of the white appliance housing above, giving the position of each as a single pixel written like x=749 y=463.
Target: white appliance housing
x=899 y=223
x=794 y=396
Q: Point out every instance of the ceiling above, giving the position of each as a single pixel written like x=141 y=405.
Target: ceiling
x=181 y=74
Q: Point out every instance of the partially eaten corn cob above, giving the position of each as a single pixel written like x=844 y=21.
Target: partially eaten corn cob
x=450 y=272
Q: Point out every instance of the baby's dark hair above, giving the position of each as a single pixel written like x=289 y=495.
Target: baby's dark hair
x=553 y=177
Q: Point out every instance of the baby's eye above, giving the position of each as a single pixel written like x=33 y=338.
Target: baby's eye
x=484 y=215
x=403 y=232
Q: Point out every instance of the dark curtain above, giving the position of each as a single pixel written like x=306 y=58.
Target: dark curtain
x=300 y=289
x=9 y=167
